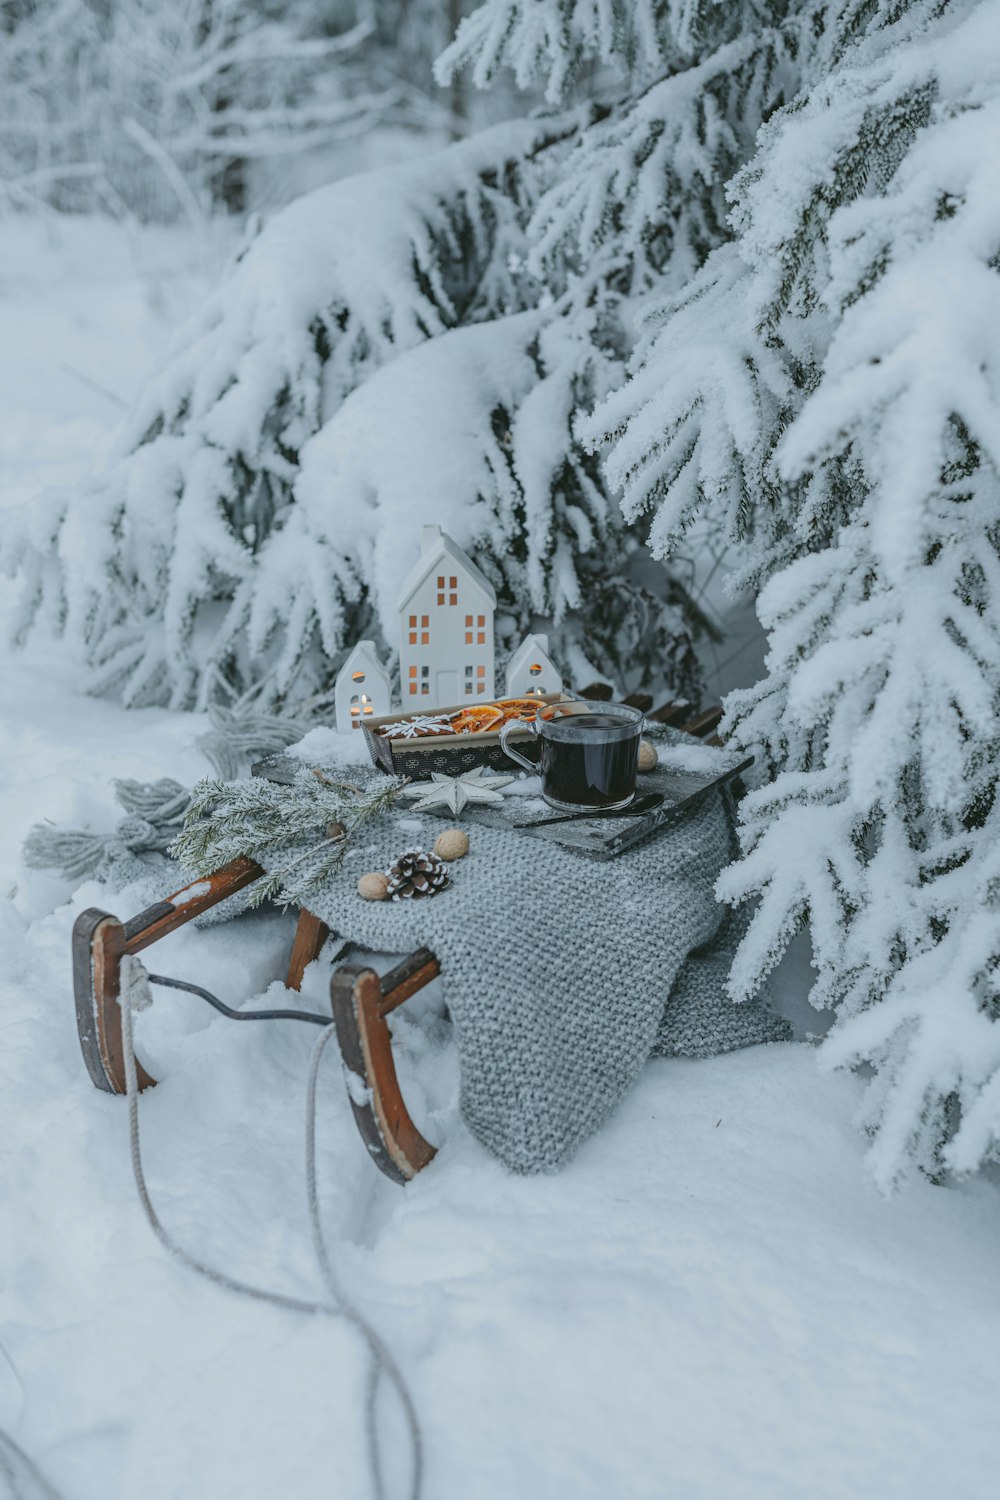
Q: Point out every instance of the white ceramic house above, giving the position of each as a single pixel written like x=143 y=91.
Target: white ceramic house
x=531 y=670
x=362 y=689
x=446 y=608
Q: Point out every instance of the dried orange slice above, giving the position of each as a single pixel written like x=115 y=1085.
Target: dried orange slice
x=519 y=708
x=477 y=720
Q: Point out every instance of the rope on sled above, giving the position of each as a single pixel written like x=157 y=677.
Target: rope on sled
x=134 y=995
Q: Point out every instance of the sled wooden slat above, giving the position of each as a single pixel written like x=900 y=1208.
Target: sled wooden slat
x=166 y=916
x=310 y=935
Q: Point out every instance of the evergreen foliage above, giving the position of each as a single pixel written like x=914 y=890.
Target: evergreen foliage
x=828 y=388
x=154 y=110
x=211 y=555
x=303 y=828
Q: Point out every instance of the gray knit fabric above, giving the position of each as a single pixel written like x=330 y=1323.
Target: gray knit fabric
x=563 y=975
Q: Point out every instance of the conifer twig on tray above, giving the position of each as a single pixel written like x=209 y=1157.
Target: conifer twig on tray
x=286 y=826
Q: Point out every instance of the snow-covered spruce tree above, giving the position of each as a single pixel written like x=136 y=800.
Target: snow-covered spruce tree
x=168 y=110
x=829 y=389
x=243 y=530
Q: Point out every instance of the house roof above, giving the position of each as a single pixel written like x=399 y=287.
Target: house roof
x=532 y=645
x=365 y=649
x=436 y=546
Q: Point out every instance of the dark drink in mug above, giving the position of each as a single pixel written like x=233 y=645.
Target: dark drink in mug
x=589 y=754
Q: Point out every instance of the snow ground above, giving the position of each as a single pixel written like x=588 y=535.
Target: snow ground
x=711 y=1301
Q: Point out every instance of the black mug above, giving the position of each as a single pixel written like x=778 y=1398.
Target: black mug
x=589 y=753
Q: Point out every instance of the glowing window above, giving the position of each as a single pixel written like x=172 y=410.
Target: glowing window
x=468 y=622
x=413 y=689
x=424 y=638
x=413 y=671
x=441 y=583
x=481 y=638
x=440 y=598
x=480 y=687
x=357 y=676
x=452 y=598
x=480 y=671
x=424 y=622
x=535 y=669
x=468 y=637
x=413 y=622
x=413 y=637
x=453 y=583
x=481 y=621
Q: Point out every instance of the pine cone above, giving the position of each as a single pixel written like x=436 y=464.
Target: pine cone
x=416 y=873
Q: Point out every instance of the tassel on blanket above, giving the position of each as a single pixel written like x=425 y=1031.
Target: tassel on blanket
x=154 y=816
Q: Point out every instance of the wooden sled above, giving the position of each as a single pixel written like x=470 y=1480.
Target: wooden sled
x=360 y=999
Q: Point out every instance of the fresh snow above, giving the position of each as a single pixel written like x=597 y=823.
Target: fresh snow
x=710 y=1303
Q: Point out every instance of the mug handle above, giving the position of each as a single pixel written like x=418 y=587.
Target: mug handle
x=512 y=724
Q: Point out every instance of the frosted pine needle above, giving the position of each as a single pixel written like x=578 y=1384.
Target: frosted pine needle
x=282 y=824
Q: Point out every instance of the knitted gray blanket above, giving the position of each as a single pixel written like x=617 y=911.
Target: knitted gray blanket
x=563 y=975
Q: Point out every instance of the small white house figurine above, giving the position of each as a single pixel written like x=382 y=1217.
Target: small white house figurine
x=531 y=670
x=446 y=608
x=362 y=689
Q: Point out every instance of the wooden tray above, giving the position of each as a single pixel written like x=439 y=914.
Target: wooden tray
x=449 y=753
x=592 y=838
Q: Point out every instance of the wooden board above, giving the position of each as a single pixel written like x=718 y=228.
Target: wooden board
x=593 y=838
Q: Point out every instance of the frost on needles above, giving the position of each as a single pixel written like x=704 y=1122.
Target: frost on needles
x=212 y=552
x=837 y=410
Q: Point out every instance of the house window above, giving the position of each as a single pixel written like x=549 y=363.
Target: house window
x=424 y=630
x=440 y=598
x=535 y=669
x=413 y=630
x=481 y=630
x=452 y=598
x=413 y=682
x=468 y=637
x=425 y=686
x=357 y=676
x=441 y=583
x=468 y=622
x=361 y=704
x=480 y=687
x=453 y=583
x=480 y=671
x=481 y=621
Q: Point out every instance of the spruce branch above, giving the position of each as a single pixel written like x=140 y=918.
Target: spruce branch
x=281 y=825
